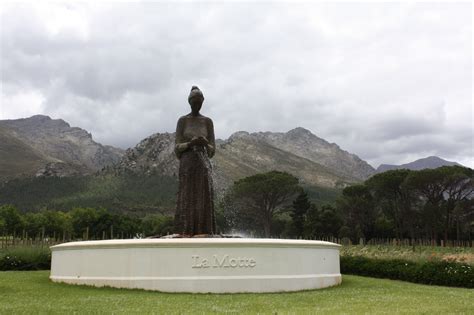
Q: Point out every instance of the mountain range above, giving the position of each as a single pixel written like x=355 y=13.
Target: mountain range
x=41 y=146
x=299 y=152
x=428 y=162
x=46 y=163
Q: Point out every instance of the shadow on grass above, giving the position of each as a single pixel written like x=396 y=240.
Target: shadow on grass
x=86 y=287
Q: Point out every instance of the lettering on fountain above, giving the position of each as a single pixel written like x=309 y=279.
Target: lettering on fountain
x=223 y=261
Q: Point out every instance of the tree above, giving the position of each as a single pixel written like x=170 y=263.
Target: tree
x=53 y=222
x=126 y=224
x=357 y=206
x=458 y=187
x=261 y=197
x=428 y=185
x=33 y=222
x=300 y=206
x=83 y=219
x=464 y=219
x=394 y=200
x=157 y=224
x=13 y=220
x=312 y=223
x=330 y=221
x=322 y=222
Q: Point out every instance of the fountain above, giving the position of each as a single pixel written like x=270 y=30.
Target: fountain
x=195 y=260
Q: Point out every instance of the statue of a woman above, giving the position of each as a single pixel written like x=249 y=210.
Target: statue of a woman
x=195 y=145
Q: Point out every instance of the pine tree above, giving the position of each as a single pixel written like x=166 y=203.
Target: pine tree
x=298 y=213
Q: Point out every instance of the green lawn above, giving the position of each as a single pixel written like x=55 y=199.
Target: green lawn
x=30 y=292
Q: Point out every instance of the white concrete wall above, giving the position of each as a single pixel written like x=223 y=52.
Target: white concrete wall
x=199 y=265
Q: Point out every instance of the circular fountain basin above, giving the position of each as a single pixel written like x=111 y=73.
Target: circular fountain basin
x=199 y=265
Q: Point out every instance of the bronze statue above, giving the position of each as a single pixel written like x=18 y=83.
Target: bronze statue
x=195 y=145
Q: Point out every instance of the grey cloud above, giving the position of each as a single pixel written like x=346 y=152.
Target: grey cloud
x=395 y=128
x=384 y=81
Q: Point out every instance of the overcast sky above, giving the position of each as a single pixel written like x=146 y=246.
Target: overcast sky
x=389 y=82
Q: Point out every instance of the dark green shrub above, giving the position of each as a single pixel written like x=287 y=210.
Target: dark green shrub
x=25 y=258
x=447 y=273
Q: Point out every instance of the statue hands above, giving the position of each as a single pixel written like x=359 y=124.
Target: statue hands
x=199 y=141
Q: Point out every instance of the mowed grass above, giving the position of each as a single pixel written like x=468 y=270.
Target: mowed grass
x=31 y=292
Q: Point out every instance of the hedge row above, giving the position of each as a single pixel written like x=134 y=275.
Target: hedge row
x=446 y=273
x=25 y=258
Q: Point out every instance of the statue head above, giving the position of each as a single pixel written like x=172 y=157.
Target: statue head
x=195 y=99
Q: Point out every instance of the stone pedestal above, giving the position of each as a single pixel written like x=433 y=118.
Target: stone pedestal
x=199 y=265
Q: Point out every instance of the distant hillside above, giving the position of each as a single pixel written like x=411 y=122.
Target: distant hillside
x=246 y=154
x=429 y=162
x=303 y=143
x=39 y=145
x=53 y=158
x=123 y=193
x=18 y=158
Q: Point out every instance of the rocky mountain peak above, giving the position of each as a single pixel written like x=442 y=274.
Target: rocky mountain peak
x=301 y=135
x=304 y=143
x=39 y=117
x=238 y=135
x=300 y=132
x=41 y=121
x=434 y=159
x=152 y=154
x=56 y=141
